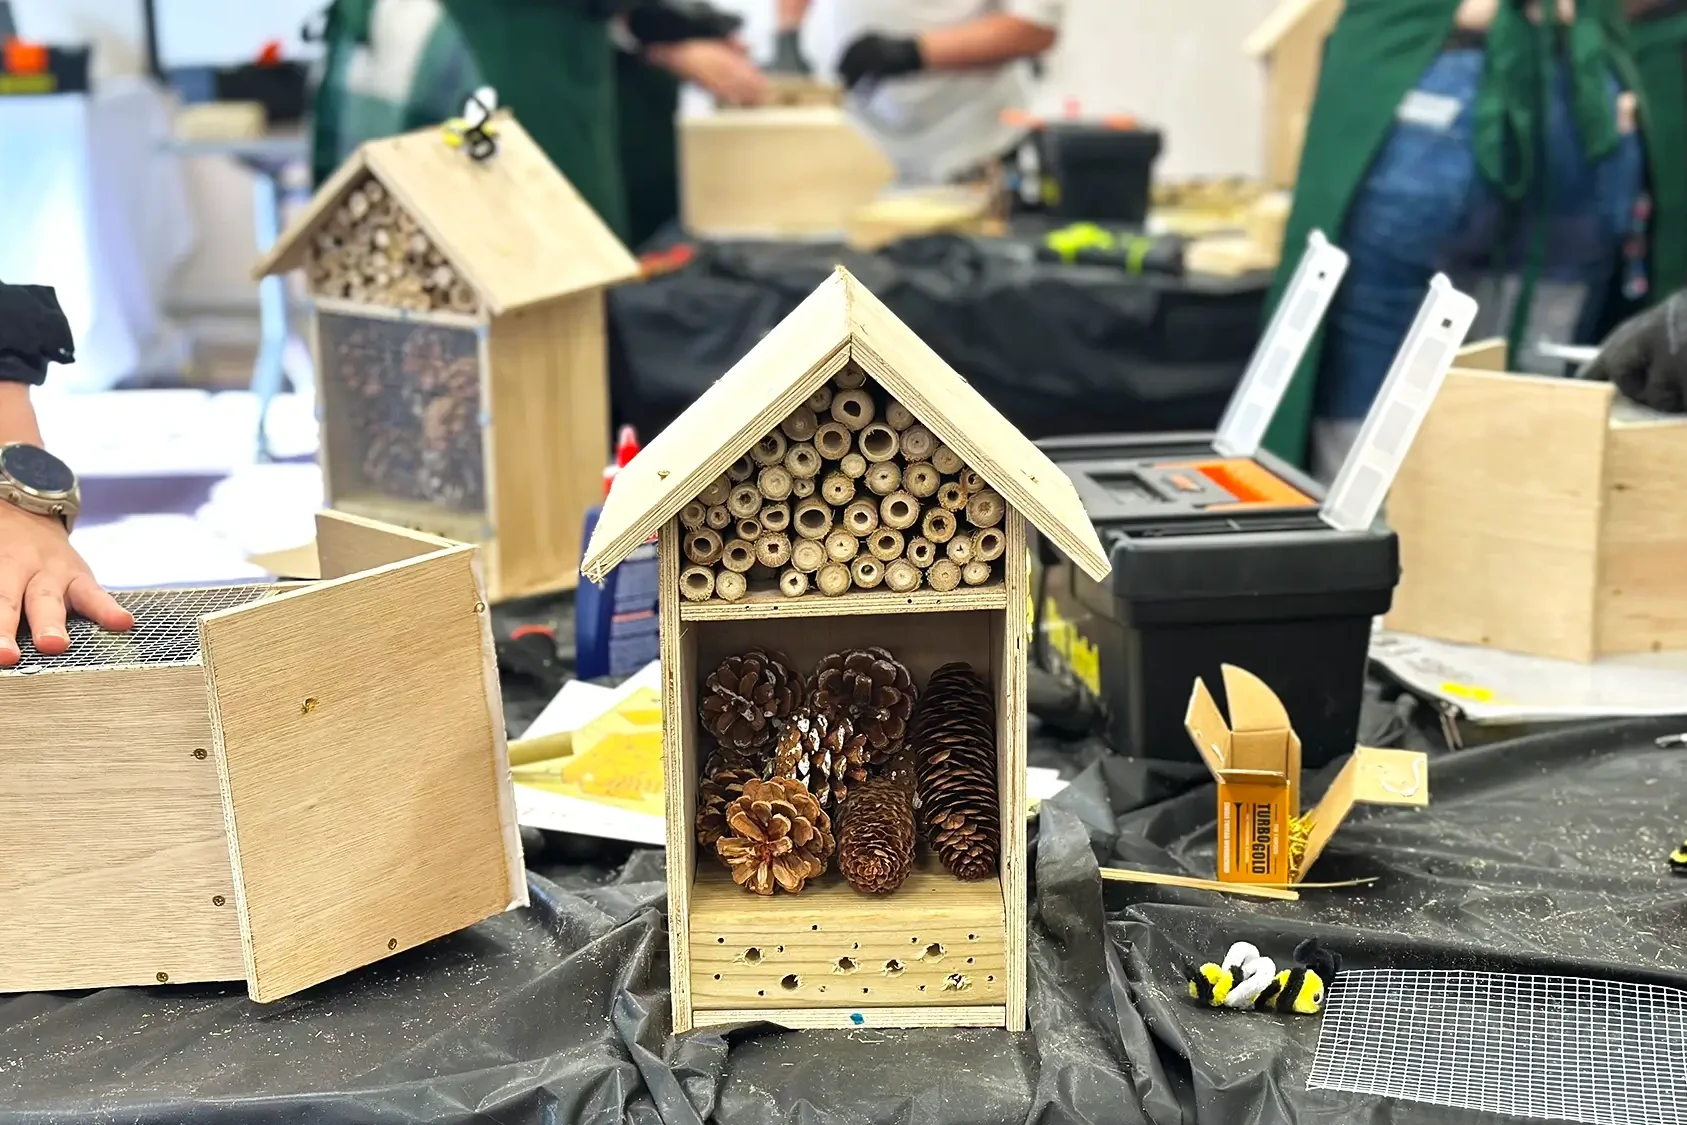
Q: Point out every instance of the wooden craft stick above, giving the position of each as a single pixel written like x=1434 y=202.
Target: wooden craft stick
x=1127 y=875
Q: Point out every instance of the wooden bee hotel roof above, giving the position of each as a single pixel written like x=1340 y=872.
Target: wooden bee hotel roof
x=839 y=323
x=511 y=225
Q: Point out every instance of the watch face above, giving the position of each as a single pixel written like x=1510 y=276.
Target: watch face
x=36 y=469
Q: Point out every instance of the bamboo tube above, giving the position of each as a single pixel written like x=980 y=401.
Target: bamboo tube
x=897 y=416
x=985 y=508
x=884 y=478
x=702 y=546
x=821 y=400
x=773 y=550
x=746 y=500
x=717 y=492
x=697 y=583
x=861 y=517
x=902 y=576
x=841 y=546
x=694 y=514
x=918 y=444
x=832 y=440
x=374 y=192
x=774 y=483
x=719 y=517
x=731 y=585
x=737 y=555
x=812 y=519
x=462 y=298
x=748 y=529
x=947 y=461
x=837 y=489
x=951 y=495
x=921 y=478
x=938 y=525
x=867 y=572
x=800 y=424
x=899 y=510
x=742 y=470
x=850 y=378
x=959 y=548
x=802 y=487
x=975 y=573
x=853 y=466
x=878 y=442
x=357 y=204
x=922 y=552
x=885 y=544
x=972 y=482
x=793 y=583
x=833 y=579
x=808 y=555
x=944 y=574
x=802 y=460
x=770 y=450
x=989 y=544
x=776 y=517
x=853 y=408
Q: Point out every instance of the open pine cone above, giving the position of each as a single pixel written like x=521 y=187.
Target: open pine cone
x=954 y=746
x=779 y=836
x=876 y=836
x=747 y=699
x=722 y=781
x=873 y=690
x=824 y=753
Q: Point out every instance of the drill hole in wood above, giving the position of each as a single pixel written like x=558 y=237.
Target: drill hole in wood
x=752 y=956
x=846 y=964
x=935 y=951
x=790 y=982
x=894 y=968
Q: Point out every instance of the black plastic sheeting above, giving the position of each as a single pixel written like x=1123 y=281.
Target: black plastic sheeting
x=1058 y=349
x=1539 y=854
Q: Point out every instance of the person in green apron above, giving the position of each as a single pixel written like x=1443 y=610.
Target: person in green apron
x=1478 y=138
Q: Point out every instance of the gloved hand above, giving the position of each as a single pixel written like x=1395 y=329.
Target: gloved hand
x=788 y=57
x=878 y=56
x=1646 y=357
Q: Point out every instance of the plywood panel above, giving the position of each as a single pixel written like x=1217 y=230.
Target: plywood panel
x=1011 y=719
x=1642 y=599
x=347 y=544
x=114 y=868
x=364 y=775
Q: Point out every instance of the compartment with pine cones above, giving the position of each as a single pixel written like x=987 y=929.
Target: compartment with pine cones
x=849 y=493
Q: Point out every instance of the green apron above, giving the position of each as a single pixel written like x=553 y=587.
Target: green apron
x=1375 y=55
x=1660 y=56
x=648 y=100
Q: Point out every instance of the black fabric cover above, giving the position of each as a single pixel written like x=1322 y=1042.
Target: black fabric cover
x=1058 y=349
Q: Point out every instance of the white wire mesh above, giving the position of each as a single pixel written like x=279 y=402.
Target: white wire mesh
x=1560 y=1048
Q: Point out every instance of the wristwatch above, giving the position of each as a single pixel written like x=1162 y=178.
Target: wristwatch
x=39 y=483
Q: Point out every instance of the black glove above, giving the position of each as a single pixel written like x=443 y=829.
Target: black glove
x=33 y=333
x=879 y=56
x=1646 y=357
x=677 y=21
x=788 y=56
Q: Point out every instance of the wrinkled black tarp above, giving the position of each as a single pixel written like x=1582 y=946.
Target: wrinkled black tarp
x=1537 y=854
x=1058 y=349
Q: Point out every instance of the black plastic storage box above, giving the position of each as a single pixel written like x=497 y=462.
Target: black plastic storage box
x=1274 y=590
x=1097 y=170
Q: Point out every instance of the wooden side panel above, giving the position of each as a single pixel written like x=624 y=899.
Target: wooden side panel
x=1643 y=546
x=550 y=412
x=834 y=1019
x=114 y=869
x=347 y=544
x=1498 y=511
x=1295 y=64
x=1482 y=355
x=1011 y=720
x=679 y=770
x=365 y=781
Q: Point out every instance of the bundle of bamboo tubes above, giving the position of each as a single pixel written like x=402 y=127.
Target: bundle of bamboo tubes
x=850 y=492
x=373 y=251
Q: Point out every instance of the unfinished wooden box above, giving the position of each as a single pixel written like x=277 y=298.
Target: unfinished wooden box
x=777 y=172
x=459 y=342
x=275 y=783
x=1542 y=516
x=938 y=951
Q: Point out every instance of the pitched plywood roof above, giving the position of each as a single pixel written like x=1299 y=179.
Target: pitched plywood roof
x=838 y=323
x=512 y=226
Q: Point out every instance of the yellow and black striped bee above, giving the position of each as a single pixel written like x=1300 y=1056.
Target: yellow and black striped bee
x=1249 y=981
x=1678 y=859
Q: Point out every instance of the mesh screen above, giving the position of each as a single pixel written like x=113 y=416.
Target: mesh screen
x=166 y=630
x=1558 y=1048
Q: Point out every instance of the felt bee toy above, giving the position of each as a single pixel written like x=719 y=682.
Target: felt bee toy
x=1245 y=979
x=1678 y=860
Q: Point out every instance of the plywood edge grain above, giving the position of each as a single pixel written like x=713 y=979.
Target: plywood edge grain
x=798 y=1019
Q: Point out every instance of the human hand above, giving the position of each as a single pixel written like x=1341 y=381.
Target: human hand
x=40 y=576
x=788 y=57
x=1646 y=357
x=879 y=56
x=719 y=66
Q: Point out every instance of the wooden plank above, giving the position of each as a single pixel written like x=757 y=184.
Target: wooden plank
x=291 y=247
x=113 y=864
x=1481 y=355
x=365 y=781
x=771 y=603
x=1012 y=717
x=1642 y=593
x=936 y=942
x=417 y=515
x=1295 y=45
x=439 y=317
x=550 y=409
x=347 y=544
x=802 y=351
x=1126 y=875
x=803 y=1019
x=678 y=656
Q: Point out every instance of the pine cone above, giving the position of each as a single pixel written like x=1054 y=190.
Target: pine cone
x=876 y=836
x=779 y=836
x=722 y=781
x=823 y=753
x=872 y=689
x=747 y=699
x=954 y=745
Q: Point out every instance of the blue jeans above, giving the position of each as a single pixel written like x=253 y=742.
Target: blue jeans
x=1425 y=208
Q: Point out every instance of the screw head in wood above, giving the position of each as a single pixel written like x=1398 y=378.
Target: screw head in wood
x=392 y=943
x=218 y=900
x=162 y=977
x=480 y=607
x=200 y=754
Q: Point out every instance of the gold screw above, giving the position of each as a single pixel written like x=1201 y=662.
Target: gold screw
x=307 y=706
x=217 y=900
x=162 y=977
x=200 y=754
x=480 y=607
x=392 y=943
